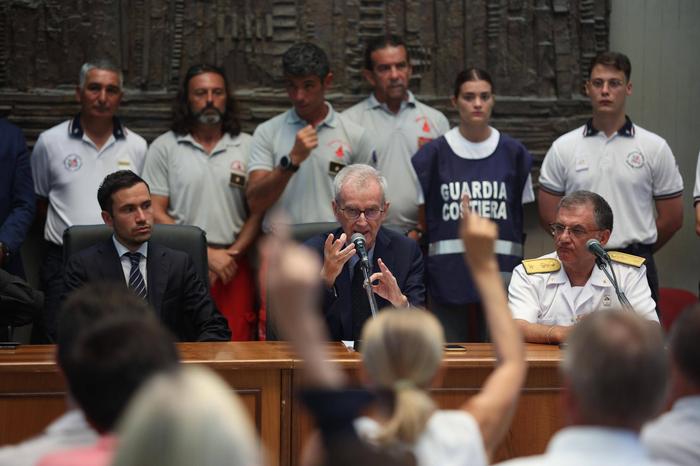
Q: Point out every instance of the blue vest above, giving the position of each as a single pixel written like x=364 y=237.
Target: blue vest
x=495 y=186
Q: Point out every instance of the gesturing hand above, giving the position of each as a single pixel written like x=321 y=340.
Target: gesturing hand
x=387 y=287
x=335 y=257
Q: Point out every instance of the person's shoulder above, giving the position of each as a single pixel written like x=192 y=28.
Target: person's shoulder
x=647 y=136
x=132 y=137
x=540 y=267
x=8 y=129
x=570 y=137
x=272 y=124
x=165 y=139
x=355 y=112
x=58 y=131
x=431 y=112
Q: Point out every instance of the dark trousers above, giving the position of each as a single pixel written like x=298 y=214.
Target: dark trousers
x=51 y=275
x=645 y=251
x=464 y=323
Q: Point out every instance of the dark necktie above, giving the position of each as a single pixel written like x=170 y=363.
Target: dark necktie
x=360 y=304
x=136 y=281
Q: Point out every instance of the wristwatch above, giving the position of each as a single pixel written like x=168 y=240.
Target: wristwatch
x=287 y=165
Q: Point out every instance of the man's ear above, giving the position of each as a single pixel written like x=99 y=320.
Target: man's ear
x=605 y=236
x=628 y=88
x=369 y=76
x=328 y=80
x=77 y=94
x=107 y=218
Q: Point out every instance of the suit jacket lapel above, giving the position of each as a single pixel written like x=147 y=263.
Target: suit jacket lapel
x=157 y=266
x=110 y=263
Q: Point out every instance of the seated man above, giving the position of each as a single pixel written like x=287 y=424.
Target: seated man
x=675 y=436
x=360 y=206
x=550 y=294
x=166 y=278
x=614 y=372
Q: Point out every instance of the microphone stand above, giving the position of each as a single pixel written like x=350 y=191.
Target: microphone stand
x=368 y=288
x=613 y=279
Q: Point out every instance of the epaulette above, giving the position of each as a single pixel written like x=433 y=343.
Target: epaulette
x=543 y=265
x=627 y=259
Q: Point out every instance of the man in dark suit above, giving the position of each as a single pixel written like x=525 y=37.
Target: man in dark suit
x=360 y=207
x=166 y=278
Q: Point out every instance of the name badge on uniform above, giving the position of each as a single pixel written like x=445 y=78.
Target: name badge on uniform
x=607 y=302
x=334 y=168
x=423 y=141
x=581 y=164
x=124 y=164
x=237 y=179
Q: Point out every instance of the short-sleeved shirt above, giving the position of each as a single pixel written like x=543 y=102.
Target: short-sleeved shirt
x=308 y=195
x=68 y=168
x=696 y=189
x=549 y=299
x=397 y=136
x=450 y=438
x=674 y=435
x=631 y=169
x=206 y=190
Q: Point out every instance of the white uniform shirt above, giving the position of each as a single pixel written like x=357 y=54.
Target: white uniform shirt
x=68 y=168
x=206 y=190
x=450 y=438
x=397 y=136
x=675 y=435
x=631 y=169
x=308 y=195
x=549 y=298
x=696 y=189
x=590 y=446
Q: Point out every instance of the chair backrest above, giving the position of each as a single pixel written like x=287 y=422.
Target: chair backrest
x=186 y=238
x=300 y=233
x=672 y=301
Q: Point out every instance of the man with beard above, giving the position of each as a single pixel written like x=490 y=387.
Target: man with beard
x=550 y=294
x=197 y=175
x=164 y=277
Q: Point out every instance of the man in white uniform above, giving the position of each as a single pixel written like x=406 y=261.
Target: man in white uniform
x=632 y=168
x=398 y=124
x=296 y=155
x=70 y=161
x=197 y=176
x=675 y=436
x=550 y=294
x=614 y=372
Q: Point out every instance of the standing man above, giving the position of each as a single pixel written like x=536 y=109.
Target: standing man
x=17 y=202
x=296 y=155
x=197 y=175
x=69 y=161
x=398 y=124
x=632 y=168
x=166 y=278
x=549 y=295
x=360 y=206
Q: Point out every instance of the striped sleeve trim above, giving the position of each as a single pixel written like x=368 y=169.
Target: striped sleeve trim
x=551 y=191
x=668 y=196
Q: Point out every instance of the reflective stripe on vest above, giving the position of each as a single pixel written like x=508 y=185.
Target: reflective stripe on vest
x=455 y=246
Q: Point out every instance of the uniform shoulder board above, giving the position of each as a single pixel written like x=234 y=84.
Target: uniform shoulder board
x=627 y=259
x=544 y=265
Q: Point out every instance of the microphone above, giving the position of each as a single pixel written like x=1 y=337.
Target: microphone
x=597 y=250
x=358 y=239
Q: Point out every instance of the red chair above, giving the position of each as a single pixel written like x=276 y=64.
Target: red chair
x=671 y=302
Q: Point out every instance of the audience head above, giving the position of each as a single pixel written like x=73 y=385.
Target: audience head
x=388 y=68
x=99 y=91
x=401 y=352
x=684 y=348
x=205 y=98
x=359 y=201
x=125 y=200
x=307 y=75
x=184 y=418
x=615 y=370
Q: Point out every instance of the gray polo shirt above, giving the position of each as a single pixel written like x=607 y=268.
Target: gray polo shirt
x=206 y=190
x=308 y=195
x=397 y=136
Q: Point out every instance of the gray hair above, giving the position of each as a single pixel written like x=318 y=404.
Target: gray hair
x=601 y=209
x=359 y=175
x=617 y=367
x=99 y=64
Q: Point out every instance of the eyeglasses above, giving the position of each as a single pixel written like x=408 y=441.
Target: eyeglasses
x=557 y=229
x=352 y=213
x=613 y=84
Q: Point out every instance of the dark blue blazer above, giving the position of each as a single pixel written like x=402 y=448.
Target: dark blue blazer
x=401 y=255
x=180 y=298
x=17 y=202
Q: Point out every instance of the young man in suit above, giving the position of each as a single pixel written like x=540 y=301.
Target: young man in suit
x=166 y=278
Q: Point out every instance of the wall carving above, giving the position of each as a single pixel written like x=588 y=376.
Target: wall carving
x=536 y=50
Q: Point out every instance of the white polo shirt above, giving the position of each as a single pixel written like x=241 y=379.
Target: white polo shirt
x=206 y=190
x=631 y=169
x=696 y=189
x=308 y=195
x=397 y=136
x=548 y=298
x=68 y=168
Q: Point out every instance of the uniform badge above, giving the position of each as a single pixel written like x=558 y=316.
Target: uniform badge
x=339 y=148
x=635 y=159
x=124 y=164
x=423 y=141
x=581 y=164
x=607 y=301
x=334 y=168
x=237 y=179
x=73 y=162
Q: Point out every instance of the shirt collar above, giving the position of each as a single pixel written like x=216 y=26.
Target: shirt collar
x=590 y=439
x=121 y=249
x=293 y=118
x=627 y=129
x=76 y=130
x=225 y=141
x=597 y=277
x=410 y=101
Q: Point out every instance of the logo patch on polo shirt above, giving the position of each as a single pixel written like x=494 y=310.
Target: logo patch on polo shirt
x=635 y=159
x=73 y=162
x=607 y=301
x=237 y=179
x=334 y=168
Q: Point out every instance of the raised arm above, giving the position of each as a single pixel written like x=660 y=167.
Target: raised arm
x=494 y=406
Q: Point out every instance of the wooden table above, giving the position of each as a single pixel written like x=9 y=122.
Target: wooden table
x=265 y=376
